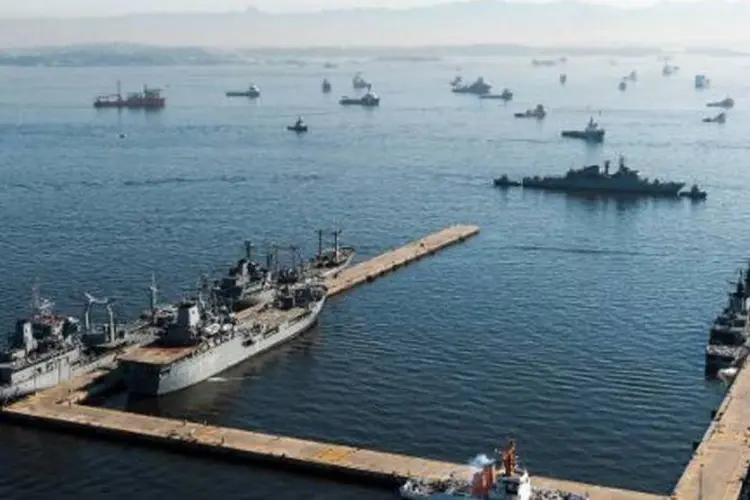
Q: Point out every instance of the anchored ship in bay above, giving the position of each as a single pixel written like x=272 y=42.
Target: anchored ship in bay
x=597 y=180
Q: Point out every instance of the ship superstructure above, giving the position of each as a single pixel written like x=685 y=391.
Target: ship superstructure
x=328 y=262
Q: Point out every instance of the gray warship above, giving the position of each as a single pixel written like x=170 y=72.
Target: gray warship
x=47 y=348
x=328 y=262
x=205 y=338
x=594 y=179
x=245 y=281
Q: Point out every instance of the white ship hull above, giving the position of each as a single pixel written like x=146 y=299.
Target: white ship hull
x=157 y=380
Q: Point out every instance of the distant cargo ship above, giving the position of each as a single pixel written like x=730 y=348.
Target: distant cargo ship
x=148 y=99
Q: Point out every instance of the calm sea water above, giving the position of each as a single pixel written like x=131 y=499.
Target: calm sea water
x=575 y=325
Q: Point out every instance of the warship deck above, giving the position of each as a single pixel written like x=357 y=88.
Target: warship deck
x=57 y=408
x=160 y=355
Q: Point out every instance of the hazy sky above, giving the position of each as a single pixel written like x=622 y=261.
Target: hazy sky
x=69 y=8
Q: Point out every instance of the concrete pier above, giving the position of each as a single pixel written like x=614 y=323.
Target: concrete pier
x=57 y=409
x=720 y=463
x=374 y=268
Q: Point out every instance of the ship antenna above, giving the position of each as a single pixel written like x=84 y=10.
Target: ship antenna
x=153 y=290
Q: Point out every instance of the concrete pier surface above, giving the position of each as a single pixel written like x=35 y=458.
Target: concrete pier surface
x=57 y=409
x=719 y=465
x=374 y=268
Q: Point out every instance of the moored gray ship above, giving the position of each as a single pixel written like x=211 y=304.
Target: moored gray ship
x=47 y=348
x=206 y=338
x=328 y=262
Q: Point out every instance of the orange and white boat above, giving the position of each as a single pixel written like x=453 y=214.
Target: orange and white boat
x=488 y=483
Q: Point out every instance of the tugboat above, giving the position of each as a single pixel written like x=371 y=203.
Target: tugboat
x=298 y=127
x=726 y=103
x=148 y=99
x=720 y=118
x=563 y=79
x=479 y=87
x=326 y=86
x=330 y=262
x=368 y=100
x=701 y=82
x=592 y=132
x=506 y=95
x=489 y=483
x=360 y=83
x=538 y=112
x=252 y=92
x=694 y=194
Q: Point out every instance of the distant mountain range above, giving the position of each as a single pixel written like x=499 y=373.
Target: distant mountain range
x=718 y=23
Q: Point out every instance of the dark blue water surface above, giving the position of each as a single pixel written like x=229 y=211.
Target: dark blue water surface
x=576 y=325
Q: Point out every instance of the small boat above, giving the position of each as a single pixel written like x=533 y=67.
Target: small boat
x=503 y=182
x=695 y=193
x=720 y=118
x=299 y=126
x=725 y=103
x=563 y=79
x=252 y=92
x=479 y=87
x=360 y=83
x=623 y=85
x=546 y=62
x=669 y=69
x=632 y=76
x=701 y=82
x=326 y=86
x=506 y=95
x=457 y=80
x=369 y=99
x=510 y=482
x=538 y=112
x=329 y=65
x=592 y=132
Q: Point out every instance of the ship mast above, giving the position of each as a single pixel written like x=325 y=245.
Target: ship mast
x=336 y=233
x=249 y=250
x=153 y=290
x=320 y=243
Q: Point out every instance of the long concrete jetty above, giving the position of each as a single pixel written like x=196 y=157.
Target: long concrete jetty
x=57 y=408
x=374 y=268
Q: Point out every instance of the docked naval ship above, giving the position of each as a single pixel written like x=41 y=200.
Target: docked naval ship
x=241 y=287
x=328 y=262
x=206 y=338
x=47 y=348
x=598 y=180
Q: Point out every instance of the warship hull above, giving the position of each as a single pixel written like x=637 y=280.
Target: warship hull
x=667 y=190
x=53 y=372
x=150 y=379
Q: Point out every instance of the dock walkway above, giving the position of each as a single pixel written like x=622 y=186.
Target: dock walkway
x=52 y=409
x=720 y=462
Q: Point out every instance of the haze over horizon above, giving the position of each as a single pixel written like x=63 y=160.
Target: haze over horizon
x=314 y=23
x=104 y=8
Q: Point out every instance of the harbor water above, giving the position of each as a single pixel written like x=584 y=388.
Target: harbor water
x=575 y=325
